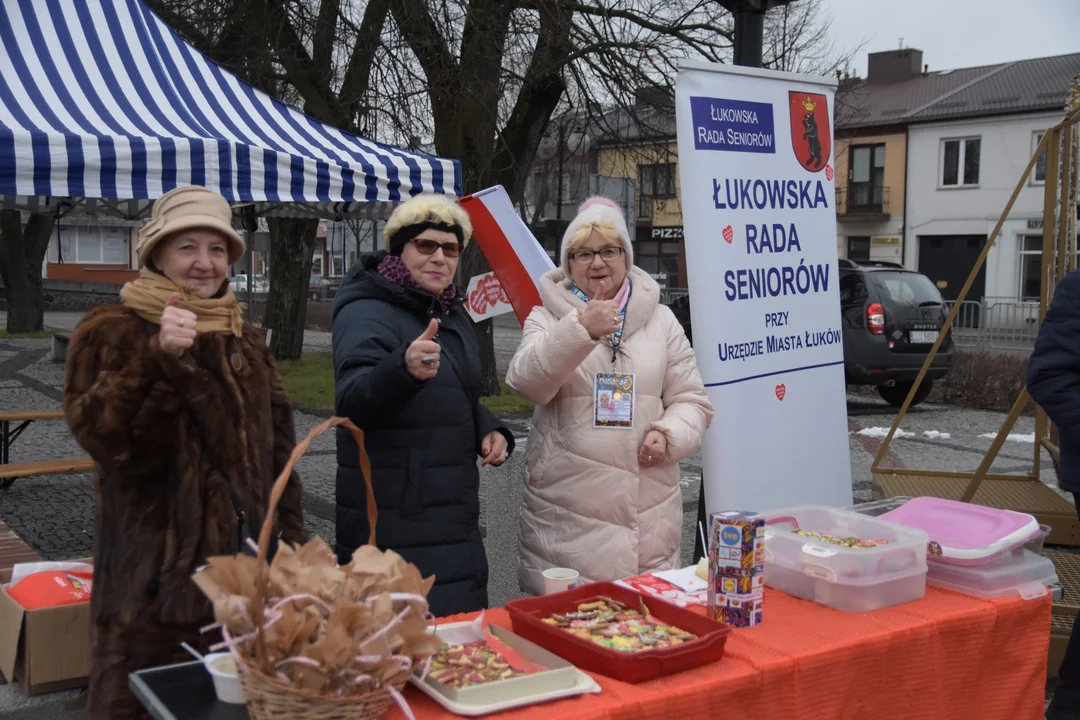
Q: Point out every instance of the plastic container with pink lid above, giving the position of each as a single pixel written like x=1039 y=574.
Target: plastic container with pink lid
x=975 y=550
x=877 y=508
x=965 y=534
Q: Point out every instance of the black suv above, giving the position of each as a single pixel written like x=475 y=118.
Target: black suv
x=891 y=318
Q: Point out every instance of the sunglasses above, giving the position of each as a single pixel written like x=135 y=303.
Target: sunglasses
x=428 y=247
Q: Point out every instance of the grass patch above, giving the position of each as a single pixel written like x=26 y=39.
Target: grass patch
x=19 y=336
x=507 y=403
x=310 y=383
x=310 y=380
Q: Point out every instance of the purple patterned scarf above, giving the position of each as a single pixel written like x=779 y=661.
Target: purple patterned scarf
x=393 y=269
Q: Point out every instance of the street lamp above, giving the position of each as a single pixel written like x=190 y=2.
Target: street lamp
x=749 y=27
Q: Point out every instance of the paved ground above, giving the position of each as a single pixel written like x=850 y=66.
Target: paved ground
x=55 y=514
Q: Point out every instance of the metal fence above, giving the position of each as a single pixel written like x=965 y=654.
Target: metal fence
x=997 y=323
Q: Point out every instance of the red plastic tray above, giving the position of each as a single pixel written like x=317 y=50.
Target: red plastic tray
x=527 y=616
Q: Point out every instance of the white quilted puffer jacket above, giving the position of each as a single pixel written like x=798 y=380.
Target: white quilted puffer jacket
x=588 y=504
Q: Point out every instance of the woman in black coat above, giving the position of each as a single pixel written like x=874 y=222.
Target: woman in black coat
x=407 y=372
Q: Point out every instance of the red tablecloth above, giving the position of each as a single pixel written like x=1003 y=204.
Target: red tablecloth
x=946 y=656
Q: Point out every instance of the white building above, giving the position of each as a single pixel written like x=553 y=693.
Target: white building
x=961 y=174
x=966 y=152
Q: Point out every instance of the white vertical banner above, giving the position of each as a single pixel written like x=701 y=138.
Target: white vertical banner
x=759 y=219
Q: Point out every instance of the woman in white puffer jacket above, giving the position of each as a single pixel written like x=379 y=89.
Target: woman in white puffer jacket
x=604 y=501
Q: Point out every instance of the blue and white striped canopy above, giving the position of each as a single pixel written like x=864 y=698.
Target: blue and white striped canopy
x=102 y=99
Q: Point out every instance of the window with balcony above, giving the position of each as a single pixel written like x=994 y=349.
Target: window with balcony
x=960 y=161
x=655 y=182
x=866 y=179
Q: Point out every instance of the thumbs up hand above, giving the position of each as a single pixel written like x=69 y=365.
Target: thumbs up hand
x=422 y=355
x=600 y=317
x=177 y=328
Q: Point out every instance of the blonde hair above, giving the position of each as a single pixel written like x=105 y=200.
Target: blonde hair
x=428 y=208
x=582 y=233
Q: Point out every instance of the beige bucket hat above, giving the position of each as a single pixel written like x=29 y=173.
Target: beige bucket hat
x=184 y=208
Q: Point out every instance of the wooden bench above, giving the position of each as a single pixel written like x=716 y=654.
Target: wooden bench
x=60 y=342
x=9 y=471
x=13 y=471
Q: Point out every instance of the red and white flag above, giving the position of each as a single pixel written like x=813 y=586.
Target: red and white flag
x=510 y=248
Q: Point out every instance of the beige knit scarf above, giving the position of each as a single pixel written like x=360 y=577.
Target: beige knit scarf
x=150 y=292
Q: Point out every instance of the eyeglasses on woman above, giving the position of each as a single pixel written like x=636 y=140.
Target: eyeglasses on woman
x=425 y=246
x=584 y=257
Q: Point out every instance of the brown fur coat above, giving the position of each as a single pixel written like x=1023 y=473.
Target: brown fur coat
x=180 y=445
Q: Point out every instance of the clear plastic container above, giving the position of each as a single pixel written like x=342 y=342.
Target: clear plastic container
x=846 y=579
x=1029 y=575
x=880 y=507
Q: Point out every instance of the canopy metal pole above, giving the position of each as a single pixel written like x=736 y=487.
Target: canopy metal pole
x=250 y=241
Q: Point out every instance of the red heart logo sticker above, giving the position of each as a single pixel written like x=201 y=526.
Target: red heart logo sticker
x=729 y=234
x=781 y=391
x=828 y=172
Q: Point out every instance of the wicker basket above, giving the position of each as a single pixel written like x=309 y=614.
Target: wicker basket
x=267 y=697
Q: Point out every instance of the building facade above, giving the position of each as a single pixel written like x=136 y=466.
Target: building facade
x=658 y=233
x=936 y=157
x=961 y=174
x=870 y=194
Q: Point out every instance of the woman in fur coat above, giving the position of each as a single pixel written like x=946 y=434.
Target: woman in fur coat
x=179 y=403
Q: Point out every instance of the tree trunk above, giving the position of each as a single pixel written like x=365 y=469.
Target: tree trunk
x=292 y=242
x=22 y=251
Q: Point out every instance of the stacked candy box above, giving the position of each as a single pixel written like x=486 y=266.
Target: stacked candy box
x=736 y=568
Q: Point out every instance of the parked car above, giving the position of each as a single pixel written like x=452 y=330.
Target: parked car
x=321 y=288
x=891 y=317
x=259 y=285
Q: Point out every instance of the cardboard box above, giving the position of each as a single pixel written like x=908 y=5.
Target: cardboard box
x=44 y=650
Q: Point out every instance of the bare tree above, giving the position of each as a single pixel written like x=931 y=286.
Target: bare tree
x=481 y=78
x=22 y=251
x=796 y=39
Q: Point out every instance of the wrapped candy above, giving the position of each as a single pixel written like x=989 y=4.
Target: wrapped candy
x=848 y=542
x=310 y=624
x=325 y=627
x=611 y=624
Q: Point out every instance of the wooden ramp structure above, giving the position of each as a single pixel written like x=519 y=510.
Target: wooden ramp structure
x=1025 y=493
x=1064 y=614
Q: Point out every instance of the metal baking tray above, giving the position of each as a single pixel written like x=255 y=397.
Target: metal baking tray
x=560 y=680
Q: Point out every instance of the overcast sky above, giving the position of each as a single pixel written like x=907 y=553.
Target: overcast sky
x=958 y=33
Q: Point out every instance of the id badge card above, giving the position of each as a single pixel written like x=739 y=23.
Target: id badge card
x=613 y=401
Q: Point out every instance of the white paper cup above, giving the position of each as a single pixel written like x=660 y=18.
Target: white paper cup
x=559 y=579
x=222 y=668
